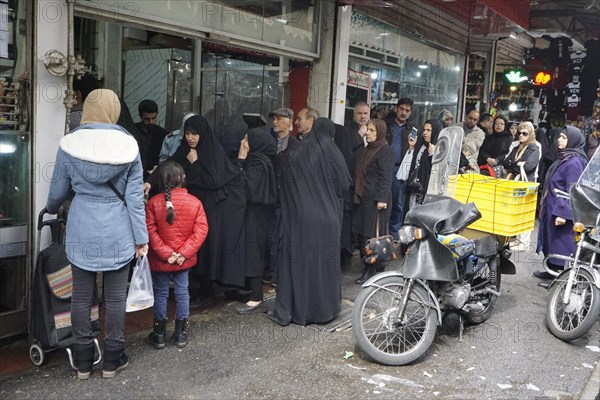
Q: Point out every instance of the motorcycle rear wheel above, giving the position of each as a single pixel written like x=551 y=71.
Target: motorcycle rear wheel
x=378 y=332
x=573 y=320
x=488 y=276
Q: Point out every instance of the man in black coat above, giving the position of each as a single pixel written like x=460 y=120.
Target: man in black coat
x=149 y=136
x=398 y=129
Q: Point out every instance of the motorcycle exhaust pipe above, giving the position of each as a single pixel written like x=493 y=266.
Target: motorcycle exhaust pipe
x=487 y=290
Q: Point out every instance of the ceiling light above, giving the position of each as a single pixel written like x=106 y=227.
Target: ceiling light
x=7 y=148
x=423 y=66
x=457 y=68
x=512 y=107
x=418 y=73
x=374 y=75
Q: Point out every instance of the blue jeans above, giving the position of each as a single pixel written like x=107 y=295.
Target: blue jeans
x=160 y=284
x=84 y=296
x=397 y=213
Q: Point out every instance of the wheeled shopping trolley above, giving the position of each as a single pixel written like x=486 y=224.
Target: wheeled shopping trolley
x=50 y=327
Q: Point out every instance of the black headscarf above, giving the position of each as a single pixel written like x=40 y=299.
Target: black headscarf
x=261 y=185
x=552 y=153
x=509 y=125
x=216 y=170
x=575 y=148
x=436 y=128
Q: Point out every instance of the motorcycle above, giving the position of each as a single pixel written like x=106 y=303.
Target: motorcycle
x=396 y=314
x=574 y=303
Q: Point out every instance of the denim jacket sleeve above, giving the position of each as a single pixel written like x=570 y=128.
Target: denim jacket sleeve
x=60 y=185
x=134 y=196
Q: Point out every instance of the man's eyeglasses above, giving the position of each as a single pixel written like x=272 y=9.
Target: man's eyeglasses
x=524 y=133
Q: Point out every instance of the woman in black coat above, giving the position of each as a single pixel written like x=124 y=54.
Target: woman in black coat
x=254 y=157
x=496 y=144
x=373 y=190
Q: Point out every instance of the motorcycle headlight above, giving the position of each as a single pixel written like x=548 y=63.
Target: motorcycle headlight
x=409 y=233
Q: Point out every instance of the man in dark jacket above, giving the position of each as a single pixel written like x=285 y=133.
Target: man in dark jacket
x=150 y=136
x=398 y=129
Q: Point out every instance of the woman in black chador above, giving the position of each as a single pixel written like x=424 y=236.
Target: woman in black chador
x=308 y=235
x=254 y=157
x=213 y=178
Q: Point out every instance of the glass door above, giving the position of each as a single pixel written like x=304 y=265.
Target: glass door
x=237 y=93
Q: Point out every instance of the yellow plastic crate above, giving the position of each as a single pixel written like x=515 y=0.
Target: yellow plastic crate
x=507 y=207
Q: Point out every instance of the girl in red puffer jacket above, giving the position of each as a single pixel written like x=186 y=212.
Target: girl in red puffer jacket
x=177 y=228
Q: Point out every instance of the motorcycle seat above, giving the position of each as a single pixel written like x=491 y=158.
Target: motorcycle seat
x=484 y=244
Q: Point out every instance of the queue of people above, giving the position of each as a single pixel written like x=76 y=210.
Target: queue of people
x=285 y=208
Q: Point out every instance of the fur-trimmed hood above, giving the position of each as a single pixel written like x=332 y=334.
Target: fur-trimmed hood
x=105 y=150
x=101 y=144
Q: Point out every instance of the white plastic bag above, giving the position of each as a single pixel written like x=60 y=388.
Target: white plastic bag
x=140 y=295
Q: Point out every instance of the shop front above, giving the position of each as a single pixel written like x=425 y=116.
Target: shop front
x=386 y=64
x=231 y=61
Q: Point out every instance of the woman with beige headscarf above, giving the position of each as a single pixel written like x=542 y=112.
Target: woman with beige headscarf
x=106 y=227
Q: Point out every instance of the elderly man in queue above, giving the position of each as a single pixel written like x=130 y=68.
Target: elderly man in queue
x=472 y=140
x=358 y=126
x=305 y=120
x=286 y=143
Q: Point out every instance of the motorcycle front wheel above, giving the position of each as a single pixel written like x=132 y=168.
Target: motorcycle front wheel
x=379 y=331
x=573 y=320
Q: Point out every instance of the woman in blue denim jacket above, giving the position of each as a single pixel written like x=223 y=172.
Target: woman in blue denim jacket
x=104 y=232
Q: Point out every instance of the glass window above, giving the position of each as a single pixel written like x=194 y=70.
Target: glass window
x=399 y=66
x=288 y=23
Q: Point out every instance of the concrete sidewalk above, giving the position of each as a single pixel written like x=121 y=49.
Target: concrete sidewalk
x=512 y=355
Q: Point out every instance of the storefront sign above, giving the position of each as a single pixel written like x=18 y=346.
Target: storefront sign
x=542 y=78
x=515 y=76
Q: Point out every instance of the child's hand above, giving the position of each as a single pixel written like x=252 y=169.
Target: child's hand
x=173 y=258
x=180 y=259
